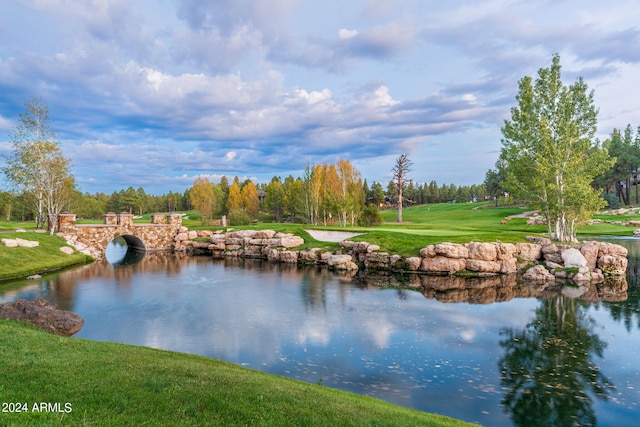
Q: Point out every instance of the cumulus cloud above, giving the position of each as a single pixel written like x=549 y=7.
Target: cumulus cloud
x=148 y=92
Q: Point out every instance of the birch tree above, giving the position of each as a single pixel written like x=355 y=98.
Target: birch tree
x=549 y=154
x=37 y=166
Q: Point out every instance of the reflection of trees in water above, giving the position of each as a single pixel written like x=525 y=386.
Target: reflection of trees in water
x=548 y=369
x=626 y=310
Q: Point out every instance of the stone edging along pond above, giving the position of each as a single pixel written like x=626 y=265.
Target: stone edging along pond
x=538 y=260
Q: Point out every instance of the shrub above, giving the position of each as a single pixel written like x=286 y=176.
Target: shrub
x=612 y=200
x=238 y=217
x=370 y=216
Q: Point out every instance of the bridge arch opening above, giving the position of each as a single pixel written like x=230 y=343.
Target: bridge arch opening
x=125 y=250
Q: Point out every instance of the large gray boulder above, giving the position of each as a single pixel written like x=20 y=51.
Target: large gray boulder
x=573 y=258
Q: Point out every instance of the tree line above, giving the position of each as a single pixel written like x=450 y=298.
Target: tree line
x=315 y=198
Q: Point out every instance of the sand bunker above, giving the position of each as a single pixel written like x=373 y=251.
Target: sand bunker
x=331 y=236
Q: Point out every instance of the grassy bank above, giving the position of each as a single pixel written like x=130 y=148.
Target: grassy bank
x=22 y=262
x=114 y=384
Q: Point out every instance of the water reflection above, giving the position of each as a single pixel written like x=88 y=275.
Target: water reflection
x=550 y=369
x=119 y=253
x=492 y=351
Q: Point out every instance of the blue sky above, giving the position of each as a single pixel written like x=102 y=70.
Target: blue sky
x=154 y=93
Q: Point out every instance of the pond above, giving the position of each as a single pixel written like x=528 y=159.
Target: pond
x=497 y=354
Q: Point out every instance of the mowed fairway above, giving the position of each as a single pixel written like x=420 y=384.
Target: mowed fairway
x=451 y=222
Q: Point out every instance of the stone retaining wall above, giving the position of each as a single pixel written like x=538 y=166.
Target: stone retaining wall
x=589 y=262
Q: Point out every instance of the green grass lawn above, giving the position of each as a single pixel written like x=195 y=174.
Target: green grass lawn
x=21 y=262
x=109 y=384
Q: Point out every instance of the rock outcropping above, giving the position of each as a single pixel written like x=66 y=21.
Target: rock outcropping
x=39 y=313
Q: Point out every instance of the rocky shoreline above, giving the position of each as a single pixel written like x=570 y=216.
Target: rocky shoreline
x=538 y=260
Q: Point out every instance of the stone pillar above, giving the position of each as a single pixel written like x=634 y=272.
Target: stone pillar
x=125 y=219
x=175 y=219
x=157 y=218
x=110 y=218
x=66 y=222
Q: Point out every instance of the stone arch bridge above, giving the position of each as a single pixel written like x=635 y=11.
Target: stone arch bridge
x=158 y=236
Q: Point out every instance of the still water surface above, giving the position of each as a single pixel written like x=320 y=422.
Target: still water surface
x=544 y=360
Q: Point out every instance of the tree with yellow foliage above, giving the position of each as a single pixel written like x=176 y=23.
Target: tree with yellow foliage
x=202 y=196
x=250 y=199
x=234 y=201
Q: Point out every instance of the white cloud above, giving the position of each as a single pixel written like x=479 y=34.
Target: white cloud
x=344 y=34
x=5 y=124
x=470 y=98
x=282 y=83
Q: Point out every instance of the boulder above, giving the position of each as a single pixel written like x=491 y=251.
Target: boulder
x=348 y=244
x=397 y=262
x=27 y=243
x=10 y=243
x=377 y=260
x=372 y=248
x=273 y=255
x=542 y=241
x=324 y=257
x=612 y=249
x=612 y=265
x=338 y=259
x=312 y=254
x=291 y=241
x=550 y=248
x=181 y=237
x=482 y=266
x=289 y=257
x=264 y=234
x=39 y=313
x=505 y=250
x=413 y=263
x=573 y=258
x=428 y=252
x=538 y=274
x=67 y=250
x=13 y=243
x=451 y=250
x=342 y=262
x=590 y=252
x=482 y=251
x=442 y=264
x=528 y=252
x=241 y=234
x=508 y=266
